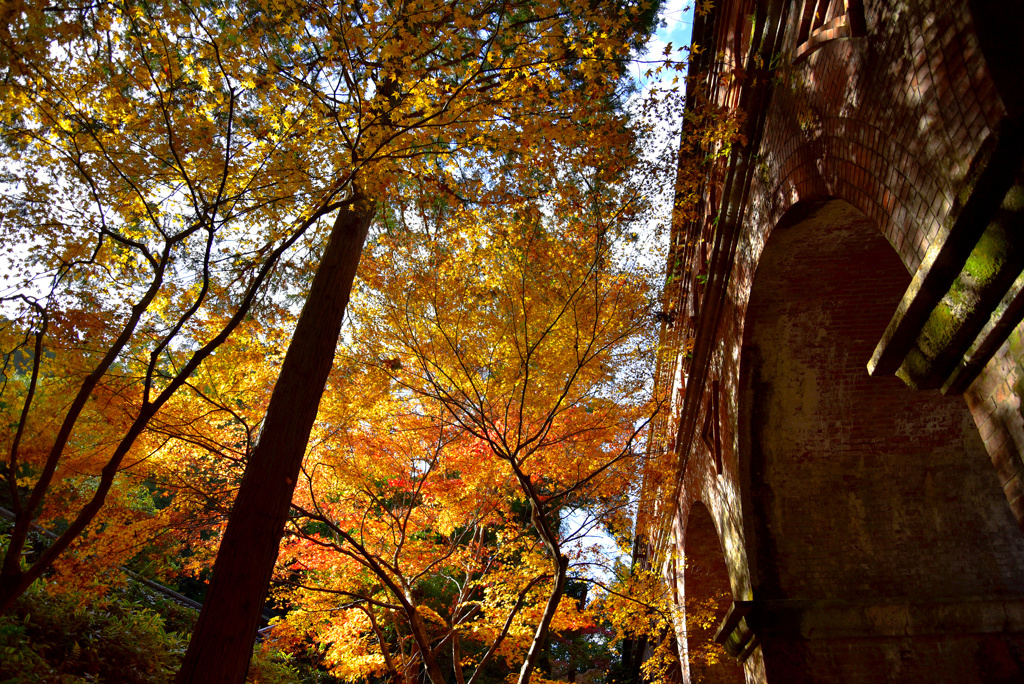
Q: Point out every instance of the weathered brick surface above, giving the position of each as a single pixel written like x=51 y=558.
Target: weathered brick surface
x=705 y=582
x=837 y=486
x=890 y=123
x=961 y=660
x=860 y=486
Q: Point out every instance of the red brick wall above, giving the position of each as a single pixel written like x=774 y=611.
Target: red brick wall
x=889 y=122
x=995 y=400
x=859 y=484
x=861 y=489
x=836 y=486
x=706 y=587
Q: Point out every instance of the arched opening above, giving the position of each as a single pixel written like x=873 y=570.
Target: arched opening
x=708 y=597
x=864 y=500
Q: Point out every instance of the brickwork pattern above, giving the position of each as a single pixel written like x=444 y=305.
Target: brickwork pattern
x=891 y=124
x=860 y=486
x=963 y=660
x=706 y=579
x=995 y=401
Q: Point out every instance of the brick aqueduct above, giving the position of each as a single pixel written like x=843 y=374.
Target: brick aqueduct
x=840 y=462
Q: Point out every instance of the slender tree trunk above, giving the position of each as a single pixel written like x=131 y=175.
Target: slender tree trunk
x=540 y=635
x=457 y=659
x=14 y=582
x=560 y=565
x=422 y=637
x=221 y=644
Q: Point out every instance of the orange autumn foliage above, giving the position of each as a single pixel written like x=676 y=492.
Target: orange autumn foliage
x=513 y=348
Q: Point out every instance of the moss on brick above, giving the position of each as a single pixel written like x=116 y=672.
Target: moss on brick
x=916 y=366
x=937 y=332
x=988 y=256
x=1014 y=199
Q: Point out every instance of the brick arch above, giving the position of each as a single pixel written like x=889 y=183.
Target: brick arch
x=854 y=159
x=866 y=535
x=707 y=590
x=893 y=122
x=864 y=501
x=872 y=169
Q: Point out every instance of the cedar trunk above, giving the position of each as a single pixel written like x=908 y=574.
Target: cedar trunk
x=222 y=642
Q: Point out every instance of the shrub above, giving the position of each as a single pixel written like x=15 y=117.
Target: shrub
x=57 y=639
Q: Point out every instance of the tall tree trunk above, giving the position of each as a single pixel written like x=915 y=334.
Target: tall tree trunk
x=221 y=644
x=460 y=678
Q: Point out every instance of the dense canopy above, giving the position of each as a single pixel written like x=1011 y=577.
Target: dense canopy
x=194 y=194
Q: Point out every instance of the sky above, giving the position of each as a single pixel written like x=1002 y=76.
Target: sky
x=676 y=28
x=677 y=24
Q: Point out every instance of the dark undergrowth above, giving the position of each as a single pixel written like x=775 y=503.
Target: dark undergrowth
x=133 y=636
